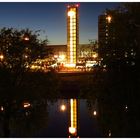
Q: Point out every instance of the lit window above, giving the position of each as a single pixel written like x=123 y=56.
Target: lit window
x=71 y=13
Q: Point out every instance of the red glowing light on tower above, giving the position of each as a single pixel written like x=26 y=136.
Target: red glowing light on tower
x=77 y=5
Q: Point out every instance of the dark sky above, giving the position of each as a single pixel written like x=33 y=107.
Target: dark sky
x=50 y=17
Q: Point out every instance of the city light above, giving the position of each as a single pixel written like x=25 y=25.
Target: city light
x=55 y=56
x=26 y=38
x=1 y=57
x=77 y=5
x=109 y=19
x=1 y=108
x=126 y=107
x=70 y=65
x=95 y=55
x=94 y=113
x=62 y=57
x=71 y=13
x=26 y=104
x=109 y=134
x=72 y=130
x=63 y=107
x=26 y=56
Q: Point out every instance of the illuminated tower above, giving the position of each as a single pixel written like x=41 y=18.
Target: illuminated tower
x=72 y=34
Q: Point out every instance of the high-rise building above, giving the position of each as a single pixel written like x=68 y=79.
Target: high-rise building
x=113 y=47
x=103 y=34
x=72 y=33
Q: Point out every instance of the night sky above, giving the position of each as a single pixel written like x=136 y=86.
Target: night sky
x=50 y=18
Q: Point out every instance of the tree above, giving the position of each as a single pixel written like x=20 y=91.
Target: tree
x=18 y=49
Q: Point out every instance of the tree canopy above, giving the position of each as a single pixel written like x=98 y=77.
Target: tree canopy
x=19 y=48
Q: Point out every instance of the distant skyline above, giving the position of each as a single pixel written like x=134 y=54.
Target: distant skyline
x=50 y=18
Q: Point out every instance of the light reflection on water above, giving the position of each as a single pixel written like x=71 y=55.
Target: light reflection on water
x=64 y=118
x=60 y=120
x=55 y=120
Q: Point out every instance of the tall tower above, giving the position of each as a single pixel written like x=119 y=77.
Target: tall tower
x=72 y=34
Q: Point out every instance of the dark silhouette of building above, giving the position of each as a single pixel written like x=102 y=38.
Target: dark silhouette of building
x=103 y=34
x=111 y=51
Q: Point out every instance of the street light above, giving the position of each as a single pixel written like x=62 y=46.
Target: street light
x=63 y=107
x=94 y=112
x=1 y=57
x=26 y=37
x=25 y=41
x=95 y=55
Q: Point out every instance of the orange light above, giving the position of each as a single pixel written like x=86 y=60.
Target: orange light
x=55 y=56
x=70 y=65
x=71 y=13
x=1 y=57
x=63 y=108
x=26 y=56
x=26 y=105
x=72 y=130
x=26 y=38
x=94 y=113
x=109 y=19
x=1 y=108
x=95 y=55
x=62 y=57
